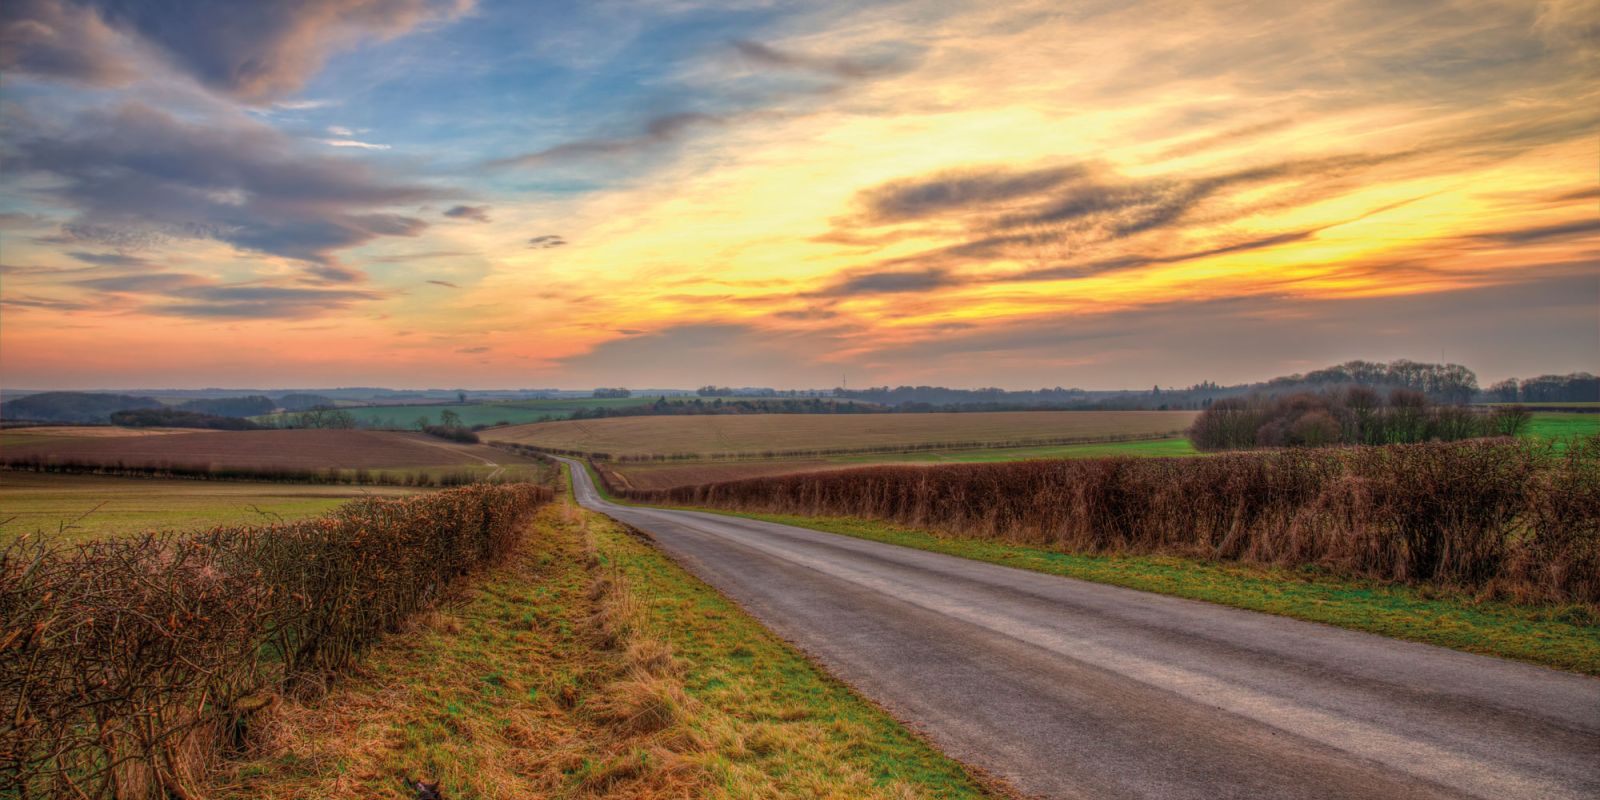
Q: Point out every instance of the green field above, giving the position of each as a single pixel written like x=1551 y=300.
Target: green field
x=1174 y=446
x=81 y=507
x=1559 y=426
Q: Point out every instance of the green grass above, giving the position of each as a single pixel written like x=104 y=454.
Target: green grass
x=1564 y=637
x=1561 y=637
x=82 y=507
x=506 y=695
x=812 y=730
x=1175 y=446
x=1555 y=425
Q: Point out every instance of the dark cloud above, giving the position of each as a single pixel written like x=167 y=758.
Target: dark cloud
x=546 y=241
x=46 y=303
x=959 y=190
x=1133 y=262
x=1065 y=213
x=1541 y=233
x=60 y=39
x=806 y=314
x=444 y=283
x=108 y=259
x=257 y=302
x=144 y=283
x=1592 y=193
x=478 y=349
x=138 y=177
x=889 y=283
x=629 y=331
x=183 y=294
x=659 y=130
x=474 y=213
x=249 y=49
x=851 y=69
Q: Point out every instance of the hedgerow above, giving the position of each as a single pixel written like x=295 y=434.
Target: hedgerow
x=1501 y=516
x=127 y=665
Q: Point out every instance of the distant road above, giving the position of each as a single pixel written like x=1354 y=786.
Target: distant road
x=1070 y=689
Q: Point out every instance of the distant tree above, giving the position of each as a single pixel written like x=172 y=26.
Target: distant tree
x=324 y=418
x=1577 y=387
x=449 y=419
x=252 y=406
x=92 y=407
x=175 y=418
x=612 y=393
x=1355 y=415
x=461 y=397
x=1506 y=391
x=301 y=402
x=423 y=422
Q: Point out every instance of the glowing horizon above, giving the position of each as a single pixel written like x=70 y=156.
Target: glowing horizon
x=414 y=194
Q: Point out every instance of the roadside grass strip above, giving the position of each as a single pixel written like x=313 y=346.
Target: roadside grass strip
x=1564 y=637
x=590 y=665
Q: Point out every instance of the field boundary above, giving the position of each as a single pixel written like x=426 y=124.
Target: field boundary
x=761 y=455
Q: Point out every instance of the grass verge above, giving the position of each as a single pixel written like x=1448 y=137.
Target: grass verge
x=1564 y=637
x=591 y=666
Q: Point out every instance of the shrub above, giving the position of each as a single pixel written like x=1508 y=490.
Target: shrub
x=454 y=433
x=127 y=664
x=1497 y=515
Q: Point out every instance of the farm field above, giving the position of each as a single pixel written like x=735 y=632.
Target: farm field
x=289 y=449
x=778 y=433
x=513 y=412
x=1559 y=425
x=82 y=507
x=43 y=434
x=668 y=474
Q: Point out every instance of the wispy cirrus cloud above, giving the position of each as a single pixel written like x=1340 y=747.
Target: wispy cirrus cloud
x=842 y=68
x=657 y=131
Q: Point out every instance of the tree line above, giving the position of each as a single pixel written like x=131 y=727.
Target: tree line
x=1353 y=415
x=1576 y=387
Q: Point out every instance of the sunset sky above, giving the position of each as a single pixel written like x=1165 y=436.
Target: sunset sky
x=516 y=194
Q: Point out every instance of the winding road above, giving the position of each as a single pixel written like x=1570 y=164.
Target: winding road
x=1070 y=689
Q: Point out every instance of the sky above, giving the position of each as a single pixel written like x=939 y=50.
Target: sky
x=672 y=193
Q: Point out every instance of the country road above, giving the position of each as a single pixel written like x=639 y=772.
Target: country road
x=1069 y=689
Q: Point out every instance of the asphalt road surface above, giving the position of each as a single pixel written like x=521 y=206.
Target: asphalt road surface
x=1072 y=689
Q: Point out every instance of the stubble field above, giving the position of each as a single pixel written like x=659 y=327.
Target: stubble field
x=830 y=434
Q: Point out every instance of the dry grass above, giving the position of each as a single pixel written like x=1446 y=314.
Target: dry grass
x=761 y=433
x=560 y=677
